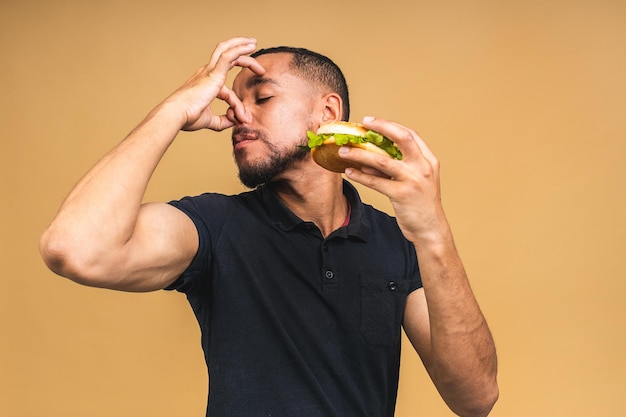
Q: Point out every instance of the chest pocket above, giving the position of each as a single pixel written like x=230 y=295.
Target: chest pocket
x=382 y=308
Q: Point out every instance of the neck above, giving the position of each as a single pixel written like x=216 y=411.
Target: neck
x=317 y=197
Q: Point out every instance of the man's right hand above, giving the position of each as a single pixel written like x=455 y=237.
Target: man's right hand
x=195 y=96
x=103 y=234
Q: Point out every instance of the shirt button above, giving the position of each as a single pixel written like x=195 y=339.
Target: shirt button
x=392 y=286
x=329 y=274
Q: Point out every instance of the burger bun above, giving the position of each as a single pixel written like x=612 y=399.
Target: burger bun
x=327 y=154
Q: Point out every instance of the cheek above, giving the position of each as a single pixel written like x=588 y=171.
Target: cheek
x=284 y=118
x=299 y=114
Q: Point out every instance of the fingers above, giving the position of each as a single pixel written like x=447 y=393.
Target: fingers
x=242 y=45
x=377 y=170
x=209 y=83
x=409 y=142
x=250 y=63
x=230 y=115
x=236 y=111
x=373 y=181
x=227 y=55
x=232 y=53
x=381 y=173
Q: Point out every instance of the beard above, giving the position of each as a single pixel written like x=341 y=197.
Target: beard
x=275 y=162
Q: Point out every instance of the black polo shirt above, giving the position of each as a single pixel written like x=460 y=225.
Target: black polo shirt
x=294 y=324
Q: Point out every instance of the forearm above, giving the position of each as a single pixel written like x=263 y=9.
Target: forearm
x=442 y=320
x=462 y=358
x=103 y=235
x=99 y=215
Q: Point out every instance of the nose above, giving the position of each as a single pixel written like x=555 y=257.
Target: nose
x=238 y=118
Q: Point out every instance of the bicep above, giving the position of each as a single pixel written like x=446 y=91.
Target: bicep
x=416 y=324
x=162 y=246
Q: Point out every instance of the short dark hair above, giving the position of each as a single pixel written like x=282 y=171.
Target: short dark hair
x=315 y=68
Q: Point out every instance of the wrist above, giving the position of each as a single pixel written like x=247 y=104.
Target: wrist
x=435 y=240
x=169 y=114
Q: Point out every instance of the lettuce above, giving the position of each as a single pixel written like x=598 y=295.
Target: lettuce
x=376 y=138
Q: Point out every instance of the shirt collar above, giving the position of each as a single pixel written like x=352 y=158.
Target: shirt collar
x=288 y=221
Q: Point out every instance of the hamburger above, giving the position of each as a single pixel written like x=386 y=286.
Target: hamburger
x=325 y=144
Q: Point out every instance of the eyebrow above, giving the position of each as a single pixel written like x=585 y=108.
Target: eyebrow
x=256 y=81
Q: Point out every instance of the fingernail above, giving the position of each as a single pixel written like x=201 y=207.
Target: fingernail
x=348 y=171
x=343 y=150
x=368 y=119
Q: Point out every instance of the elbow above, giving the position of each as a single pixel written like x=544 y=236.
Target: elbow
x=480 y=405
x=485 y=408
x=54 y=252
x=68 y=258
x=469 y=396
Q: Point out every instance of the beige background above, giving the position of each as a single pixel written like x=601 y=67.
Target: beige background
x=523 y=102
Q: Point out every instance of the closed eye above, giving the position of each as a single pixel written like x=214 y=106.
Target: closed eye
x=262 y=100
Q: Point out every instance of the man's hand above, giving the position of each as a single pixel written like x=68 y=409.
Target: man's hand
x=103 y=234
x=412 y=184
x=442 y=320
x=193 y=99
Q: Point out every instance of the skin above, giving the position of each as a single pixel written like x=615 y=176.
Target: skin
x=104 y=236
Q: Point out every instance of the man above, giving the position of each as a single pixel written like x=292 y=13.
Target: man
x=299 y=288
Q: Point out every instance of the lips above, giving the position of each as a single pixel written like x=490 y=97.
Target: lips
x=243 y=134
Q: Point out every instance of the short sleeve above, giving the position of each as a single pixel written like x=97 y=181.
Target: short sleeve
x=415 y=278
x=207 y=212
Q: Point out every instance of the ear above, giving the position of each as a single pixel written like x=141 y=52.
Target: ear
x=332 y=107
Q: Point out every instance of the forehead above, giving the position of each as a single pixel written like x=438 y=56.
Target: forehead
x=277 y=71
